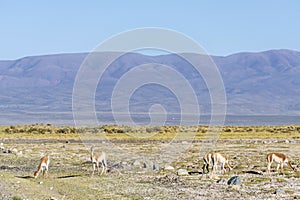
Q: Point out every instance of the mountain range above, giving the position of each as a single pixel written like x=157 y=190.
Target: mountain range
x=39 y=88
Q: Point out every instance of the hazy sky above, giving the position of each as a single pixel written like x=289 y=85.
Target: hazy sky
x=221 y=27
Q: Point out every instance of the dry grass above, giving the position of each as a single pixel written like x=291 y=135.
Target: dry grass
x=114 y=132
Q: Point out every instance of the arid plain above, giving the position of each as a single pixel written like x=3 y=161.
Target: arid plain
x=144 y=162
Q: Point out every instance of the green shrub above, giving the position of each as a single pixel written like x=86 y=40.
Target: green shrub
x=17 y=198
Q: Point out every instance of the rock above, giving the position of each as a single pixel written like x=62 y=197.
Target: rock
x=287 y=141
x=124 y=163
x=148 y=164
x=182 y=172
x=235 y=180
x=279 y=191
x=120 y=165
x=169 y=167
x=250 y=167
x=13 y=150
x=155 y=167
x=145 y=165
x=136 y=163
x=1 y=146
x=293 y=142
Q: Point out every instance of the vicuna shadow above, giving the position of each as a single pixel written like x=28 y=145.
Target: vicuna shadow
x=69 y=176
x=25 y=177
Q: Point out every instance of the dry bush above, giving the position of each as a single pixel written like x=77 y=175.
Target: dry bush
x=40 y=129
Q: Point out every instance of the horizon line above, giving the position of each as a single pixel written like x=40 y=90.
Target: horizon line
x=146 y=54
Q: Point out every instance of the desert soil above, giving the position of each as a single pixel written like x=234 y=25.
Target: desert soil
x=137 y=170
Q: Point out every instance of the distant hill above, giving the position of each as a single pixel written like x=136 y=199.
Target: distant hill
x=264 y=83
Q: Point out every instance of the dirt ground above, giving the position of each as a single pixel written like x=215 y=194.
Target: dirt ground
x=137 y=170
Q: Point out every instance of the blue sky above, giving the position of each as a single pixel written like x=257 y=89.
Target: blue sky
x=221 y=27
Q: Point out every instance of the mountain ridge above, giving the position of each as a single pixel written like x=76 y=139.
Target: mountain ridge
x=256 y=83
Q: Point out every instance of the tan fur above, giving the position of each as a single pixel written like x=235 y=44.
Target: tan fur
x=280 y=159
x=221 y=159
x=207 y=159
x=97 y=158
x=43 y=166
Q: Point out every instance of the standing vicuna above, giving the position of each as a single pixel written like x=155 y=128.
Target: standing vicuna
x=43 y=166
x=97 y=158
x=280 y=159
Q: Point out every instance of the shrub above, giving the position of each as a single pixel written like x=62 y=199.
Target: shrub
x=17 y=198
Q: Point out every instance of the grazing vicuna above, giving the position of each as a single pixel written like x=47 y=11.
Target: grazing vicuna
x=280 y=159
x=218 y=158
x=43 y=166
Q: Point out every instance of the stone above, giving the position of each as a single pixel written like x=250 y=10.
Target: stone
x=147 y=164
x=136 y=163
x=279 y=191
x=155 y=167
x=293 y=142
x=169 y=167
x=235 y=180
x=250 y=167
x=13 y=150
x=182 y=172
x=1 y=146
x=124 y=163
x=287 y=141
